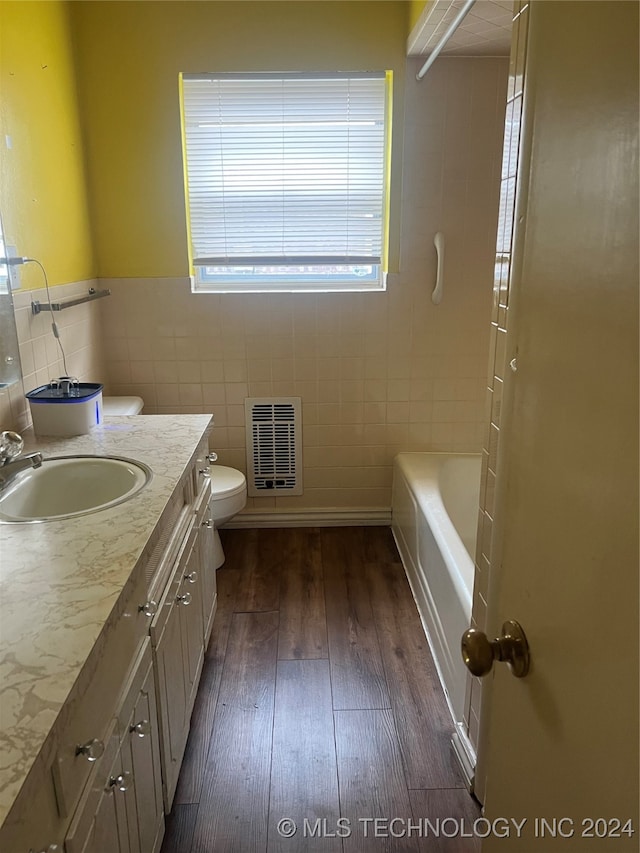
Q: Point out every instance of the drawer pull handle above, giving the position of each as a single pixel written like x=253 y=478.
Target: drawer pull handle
x=208 y=524
x=92 y=749
x=142 y=729
x=52 y=848
x=122 y=781
x=206 y=473
x=212 y=457
x=149 y=608
x=185 y=598
x=192 y=577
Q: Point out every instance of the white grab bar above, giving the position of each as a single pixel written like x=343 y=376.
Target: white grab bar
x=438 y=242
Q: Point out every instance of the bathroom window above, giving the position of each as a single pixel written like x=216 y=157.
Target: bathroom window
x=287 y=180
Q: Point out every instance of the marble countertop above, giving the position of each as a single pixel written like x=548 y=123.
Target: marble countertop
x=60 y=581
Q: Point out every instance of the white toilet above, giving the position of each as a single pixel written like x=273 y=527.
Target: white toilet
x=228 y=486
x=122 y=405
x=228 y=497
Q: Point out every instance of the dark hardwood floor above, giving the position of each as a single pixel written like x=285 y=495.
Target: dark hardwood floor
x=319 y=705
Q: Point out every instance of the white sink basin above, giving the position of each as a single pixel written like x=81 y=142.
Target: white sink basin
x=65 y=486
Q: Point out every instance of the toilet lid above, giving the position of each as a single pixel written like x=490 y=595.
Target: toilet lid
x=121 y=405
x=226 y=481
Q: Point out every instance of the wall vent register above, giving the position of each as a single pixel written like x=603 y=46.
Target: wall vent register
x=274 y=445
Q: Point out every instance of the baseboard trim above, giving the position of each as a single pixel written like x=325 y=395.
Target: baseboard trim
x=332 y=517
x=465 y=754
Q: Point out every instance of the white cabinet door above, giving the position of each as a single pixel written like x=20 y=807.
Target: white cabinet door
x=121 y=808
x=177 y=636
x=178 y=661
x=142 y=744
x=100 y=822
x=189 y=602
x=208 y=573
x=107 y=831
x=172 y=703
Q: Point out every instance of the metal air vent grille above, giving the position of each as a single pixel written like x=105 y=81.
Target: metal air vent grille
x=274 y=445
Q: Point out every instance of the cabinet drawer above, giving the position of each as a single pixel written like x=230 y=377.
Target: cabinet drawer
x=170 y=596
x=167 y=550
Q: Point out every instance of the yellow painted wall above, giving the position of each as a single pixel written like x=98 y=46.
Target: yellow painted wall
x=415 y=10
x=42 y=177
x=129 y=55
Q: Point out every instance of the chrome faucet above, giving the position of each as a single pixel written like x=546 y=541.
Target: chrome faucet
x=12 y=460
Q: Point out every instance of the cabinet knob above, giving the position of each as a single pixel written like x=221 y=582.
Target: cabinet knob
x=185 y=598
x=149 y=608
x=212 y=457
x=92 y=749
x=122 y=782
x=192 y=577
x=142 y=729
x=208 y=524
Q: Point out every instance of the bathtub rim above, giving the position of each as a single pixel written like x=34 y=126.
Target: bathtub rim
x=463 y=749
x=444 y=531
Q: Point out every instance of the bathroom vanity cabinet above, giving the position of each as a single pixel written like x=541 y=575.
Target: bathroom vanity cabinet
x=178 y=637
x=121 y=805
x=106 y=770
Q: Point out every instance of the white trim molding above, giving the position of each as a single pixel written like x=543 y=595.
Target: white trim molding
x=465 y=754
x=330 y=517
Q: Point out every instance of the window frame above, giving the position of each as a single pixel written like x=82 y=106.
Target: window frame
x=361 y=275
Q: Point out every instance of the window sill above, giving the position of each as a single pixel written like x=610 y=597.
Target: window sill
x=290 y=287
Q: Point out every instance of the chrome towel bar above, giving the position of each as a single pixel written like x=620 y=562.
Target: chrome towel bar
x=37 y=306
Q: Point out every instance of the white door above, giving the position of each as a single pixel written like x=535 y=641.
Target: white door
x=562 y=743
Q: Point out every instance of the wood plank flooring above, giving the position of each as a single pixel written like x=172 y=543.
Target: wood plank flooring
x=319 y=703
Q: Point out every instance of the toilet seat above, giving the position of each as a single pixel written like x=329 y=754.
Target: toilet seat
x=226 y=482
x=228 y=498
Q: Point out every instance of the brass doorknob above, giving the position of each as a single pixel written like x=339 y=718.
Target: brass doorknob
x=479 y=653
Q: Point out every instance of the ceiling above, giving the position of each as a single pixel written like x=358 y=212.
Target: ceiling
x=485 y=30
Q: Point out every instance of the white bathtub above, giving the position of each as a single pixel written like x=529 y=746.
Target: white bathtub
x=434 y=519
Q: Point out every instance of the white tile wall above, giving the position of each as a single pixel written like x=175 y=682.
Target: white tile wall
x=377 y=372
x=81 y=335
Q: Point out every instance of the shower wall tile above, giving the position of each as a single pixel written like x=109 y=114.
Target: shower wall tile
x=80 y=330
x=378 y=373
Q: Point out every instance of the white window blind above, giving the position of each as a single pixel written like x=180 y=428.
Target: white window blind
x=285 y=173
